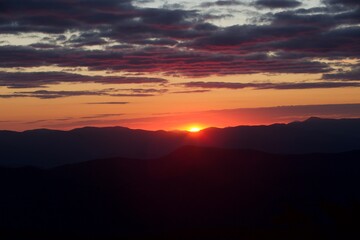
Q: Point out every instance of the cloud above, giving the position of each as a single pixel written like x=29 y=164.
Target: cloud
x=45 y=94
x=94 y=19
x=249 y=35
x=277 y=86
x=42 y=79
x=106 y=115
x=309 y=36
x=192 y=91
x=154 y=60
x=342 y=2
x=352 y=75
x=221 y=3
x=48 y=94
x=278 y=3
x=146 y=90
x=335 y=43
x=60 y=15
x=107 y=103
x=93 y=117
x=178 y=41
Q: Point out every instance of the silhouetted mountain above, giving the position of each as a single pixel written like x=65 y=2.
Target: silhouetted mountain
x=192 y=193
x=311 y=136
x=48 y=148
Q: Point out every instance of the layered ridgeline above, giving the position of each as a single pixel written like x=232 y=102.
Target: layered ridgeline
x=47 y=148
x=192 y=193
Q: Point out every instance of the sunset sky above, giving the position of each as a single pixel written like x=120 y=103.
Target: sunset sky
x=156 y=64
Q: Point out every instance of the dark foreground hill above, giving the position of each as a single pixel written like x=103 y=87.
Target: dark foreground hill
x=193 y=193
x=47 y=148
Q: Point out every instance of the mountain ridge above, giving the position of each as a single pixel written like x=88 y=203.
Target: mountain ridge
x=48 y=148
x=310 y=119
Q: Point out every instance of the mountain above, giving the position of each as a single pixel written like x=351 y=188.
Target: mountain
x=311 y=136
x=191 y=193
x=48 y=148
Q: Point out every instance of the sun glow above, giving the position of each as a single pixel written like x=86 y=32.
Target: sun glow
x=194 y=129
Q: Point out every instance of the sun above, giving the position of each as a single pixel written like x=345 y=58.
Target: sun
x=194 y=129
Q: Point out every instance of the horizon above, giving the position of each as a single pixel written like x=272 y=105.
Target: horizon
x=205 y=119
x=191 y=128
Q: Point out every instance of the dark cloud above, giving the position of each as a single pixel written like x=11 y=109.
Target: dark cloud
x=221 y=3
x=336 y=43
x=41 y=79
x=146 y=90
x=278 y=3
x=176 y=42
x=107 y=103
x=236 y=37
x=90 y=38
x=96 y=20
x=192 y=91
x=39 y=121
x=313 y=32
x=352 y=75
x=45 y=94
x=342 y=2
x=165 y=60
x=49 y=94
x=60 y=15
x=82 y=123
x=278 y=86
x=156 y=42
x=94 y=116
x=44 y=46
x=103 y=115
x=314 y=35
x=324 y=18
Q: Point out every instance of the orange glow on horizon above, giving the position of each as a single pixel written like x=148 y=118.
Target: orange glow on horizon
x=194 y=128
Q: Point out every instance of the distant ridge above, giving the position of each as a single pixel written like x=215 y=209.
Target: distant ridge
x=48 y=148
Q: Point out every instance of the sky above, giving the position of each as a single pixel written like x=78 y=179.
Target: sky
x=155 y=64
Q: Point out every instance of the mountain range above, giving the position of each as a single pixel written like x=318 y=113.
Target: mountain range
x=49 y=148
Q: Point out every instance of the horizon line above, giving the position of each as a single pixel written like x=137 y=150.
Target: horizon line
x=179 y=130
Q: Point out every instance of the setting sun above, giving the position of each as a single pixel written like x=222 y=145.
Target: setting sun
x=194 y=129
